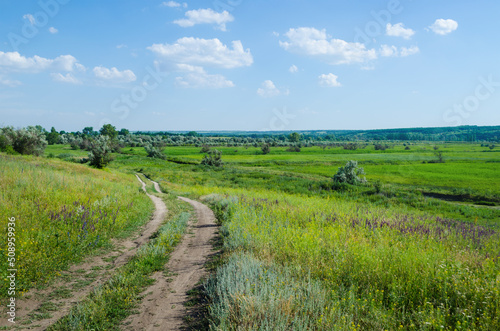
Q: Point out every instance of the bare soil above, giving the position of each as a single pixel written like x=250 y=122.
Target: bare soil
x=163 y=306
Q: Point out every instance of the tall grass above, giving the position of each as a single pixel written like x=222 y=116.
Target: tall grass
x=63 y=212
x=393 y=269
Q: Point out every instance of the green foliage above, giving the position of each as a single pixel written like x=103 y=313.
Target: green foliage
x=89 y=131
x=154 y=152
x=294 y=148
x=53 y=136
x=26 y=141
x=266 y=149
x=109 y=130
x=294 y=137
x=350 y=174
x=124 y=132
x=100 y=152
x=205 y=149
x=213 y=159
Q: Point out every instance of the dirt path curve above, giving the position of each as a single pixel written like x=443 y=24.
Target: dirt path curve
x=84 y=277
x=163 y=305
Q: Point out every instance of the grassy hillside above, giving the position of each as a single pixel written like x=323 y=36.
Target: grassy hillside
x=63 y=212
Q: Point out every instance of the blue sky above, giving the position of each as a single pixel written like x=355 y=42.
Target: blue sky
x=249 y=65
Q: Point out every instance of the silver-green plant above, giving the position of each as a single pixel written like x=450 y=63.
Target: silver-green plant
x=100 y=152
x=350 y=174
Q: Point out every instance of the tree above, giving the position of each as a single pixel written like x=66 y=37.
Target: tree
x=294 y=137
x=88 y=131
x=350 y=174
x=266 y=149
x=53 y=136
x=109 y=130
x=100 y=152
x=213 y=159
x=124 y=132
x=28 y=141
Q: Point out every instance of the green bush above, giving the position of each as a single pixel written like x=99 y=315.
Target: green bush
x=26 y=141
x=100 y=152
x=154 y=152
x=350 y=174
x=213 y=159
x=266 y=149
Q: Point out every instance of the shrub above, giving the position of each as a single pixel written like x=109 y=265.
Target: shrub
x=28 y=141
x=154 y=152
x=213 y=159
x=4 y=143
x=293 y=149
x=205 y=149
x=266 y=149
x=380 y=147
x=100 y=152
x=350 y=174
x=350 y=146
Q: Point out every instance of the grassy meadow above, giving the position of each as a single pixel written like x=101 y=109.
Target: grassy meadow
x=63 y=212
x=417 y=248
x=301 y=255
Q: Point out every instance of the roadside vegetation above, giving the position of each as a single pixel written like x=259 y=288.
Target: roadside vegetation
x=63 y=212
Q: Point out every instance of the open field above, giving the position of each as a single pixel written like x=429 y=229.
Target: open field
x=298 y=252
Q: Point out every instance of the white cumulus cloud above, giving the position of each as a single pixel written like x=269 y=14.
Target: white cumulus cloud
x=314 y=42
x=268 y=90
x=205 y=16
x=211 y=52
x=393 y=51
x=13 y=61
x=173 y=4
x=409 y=51
x=53 y=30
x=68 y=78
x=398 y=30
x=293 y=69
x=329 y=80
x=114 y=75
x=197 y=77
x=387 y=51
x=444 y=27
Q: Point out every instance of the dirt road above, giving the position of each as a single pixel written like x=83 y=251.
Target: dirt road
x=163 y=305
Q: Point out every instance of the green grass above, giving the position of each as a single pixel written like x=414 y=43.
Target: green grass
x=415 y=272
x=63 y=212
x=299 y=254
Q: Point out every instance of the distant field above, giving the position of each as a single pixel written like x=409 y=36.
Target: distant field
x=466 y=166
